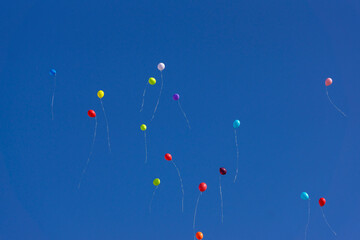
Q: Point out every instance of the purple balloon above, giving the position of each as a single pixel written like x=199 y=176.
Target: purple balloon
x=176 y=96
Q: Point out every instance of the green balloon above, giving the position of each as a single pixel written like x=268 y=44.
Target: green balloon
x=152 y=81
x=156 y=182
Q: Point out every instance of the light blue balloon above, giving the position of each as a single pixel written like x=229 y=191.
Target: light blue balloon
x=236 y=124
x=304 y=196
x=52 y=72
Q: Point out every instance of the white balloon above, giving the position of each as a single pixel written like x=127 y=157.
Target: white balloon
x=161 y=66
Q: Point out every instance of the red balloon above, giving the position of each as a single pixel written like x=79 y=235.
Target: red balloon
x=322 y=202
x=168 y=157
x=91 y=113
x=223 y=171
x=328 y=82
x=202 y=187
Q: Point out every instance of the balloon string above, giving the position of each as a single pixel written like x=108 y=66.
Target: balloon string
x=88 y=160
x=153 y=195
x=143 y=97
x=196 y=206
x=327 y=222
x=107 y=125
x=308 y=221
x=222 y=204
x=237 y=156
x=157 y=103
x=182 y=187
x=334 y=104
x=52 y=100
x=187 y=120
x=145 y=147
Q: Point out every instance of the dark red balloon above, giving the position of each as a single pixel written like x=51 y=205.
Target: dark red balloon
x=322 y=202
x=202 y=187
x=223 y=171
x=168 y=157
x=91 y=113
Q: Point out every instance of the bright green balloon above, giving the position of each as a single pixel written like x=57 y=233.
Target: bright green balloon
x=143 y=127
x=152 y=81
x=156 y=182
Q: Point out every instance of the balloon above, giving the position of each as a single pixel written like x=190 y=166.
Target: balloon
x=236 y=124
x=202 y=187
x=199 y=235
x=304 y=196
x=223 y=171
x=161 y=66
x=328 y=82
x=152 y=81
x=100 y=94
x=176 y=96
x=168 y=157
x=322 y=202
x=156 y=182
x=143 y=127
x=91 y=113
x=52 y=72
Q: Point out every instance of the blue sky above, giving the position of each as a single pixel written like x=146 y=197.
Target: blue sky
x=261 y=62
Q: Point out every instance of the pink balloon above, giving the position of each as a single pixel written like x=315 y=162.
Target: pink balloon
x=328 y=82
x=161 y=66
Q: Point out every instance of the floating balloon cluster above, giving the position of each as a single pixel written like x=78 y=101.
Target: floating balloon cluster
x=168 y=157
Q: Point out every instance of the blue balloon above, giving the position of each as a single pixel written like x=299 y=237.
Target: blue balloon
x=52 y=72
x=236 y=124
x=304 y=196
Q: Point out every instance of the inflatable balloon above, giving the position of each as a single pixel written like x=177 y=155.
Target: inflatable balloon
x=143 y=127
x=168 y=157
x=161 y=66
x=236 y=124
x=223 y=171
x=304 y=196
x=52 y=72
x=176 y=96
x=156 y=182
x=91 y=113
x=100 y=94
x=199 y=235
x=202 y=187
x=152 y=81
x=322 y=202
x=328 y=82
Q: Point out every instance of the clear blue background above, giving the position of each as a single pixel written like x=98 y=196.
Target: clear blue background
x=263 y=62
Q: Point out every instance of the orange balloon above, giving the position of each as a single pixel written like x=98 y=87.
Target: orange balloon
x=199 y=235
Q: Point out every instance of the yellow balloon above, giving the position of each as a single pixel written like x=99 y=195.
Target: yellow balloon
x=143 y=127
x=152 y=81
x=156 y=182
x=100 y=94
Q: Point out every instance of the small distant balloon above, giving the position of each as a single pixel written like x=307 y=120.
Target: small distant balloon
x=156 y=182
x=199 y=235
x=143 y=127
x=100 y=94
x=202 y=187
x=161 y=66
x=91 y=113
x=236 y=123
x=152 y=81
x=328 y=82
x=168 y=157
x=304 y=196
x=322 y=202
x=52 y=72
x=176 y=96
x=223 y=171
